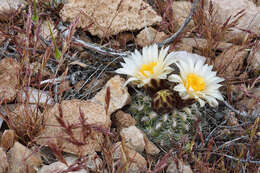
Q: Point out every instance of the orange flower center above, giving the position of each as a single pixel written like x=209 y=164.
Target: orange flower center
x=196 y=82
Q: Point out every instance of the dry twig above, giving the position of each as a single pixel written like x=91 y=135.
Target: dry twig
x=92 y=46
x=248 y=160
x=184 y=24
x=242 y=113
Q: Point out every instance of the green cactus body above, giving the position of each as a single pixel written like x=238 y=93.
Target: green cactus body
x=163 y=128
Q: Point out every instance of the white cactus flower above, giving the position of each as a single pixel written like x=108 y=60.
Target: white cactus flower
x=196 y=79
x=151 y=64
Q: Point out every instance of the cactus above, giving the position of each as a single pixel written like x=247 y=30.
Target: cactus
x=162 y=128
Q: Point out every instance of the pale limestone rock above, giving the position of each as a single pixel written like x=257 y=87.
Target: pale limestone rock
x=119 y=96
x=94 y=163
x=254 y=104
x=149 y=36
x=182 y=46
x=181 y=10
x=257 y=2
x=9 y=6
x=7 y=108
x=3 y=161
x=178 y=167
x=230 y=61
x=8 y=139
x=9 y=71
x=136 y=161
x=150 y=148
x=93 y=112
x=247 y=104
x=201 y=43
x=46 y=30
x=37 y=70
x=254 y=59
x=64 y=86
x=250 y=21
x=124 y=120
x=58 y=167
x=134 y=138
x=21 y=158
x=34 y=96
x=109 y=17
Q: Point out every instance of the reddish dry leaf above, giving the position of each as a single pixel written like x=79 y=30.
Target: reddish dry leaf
x=107 y=99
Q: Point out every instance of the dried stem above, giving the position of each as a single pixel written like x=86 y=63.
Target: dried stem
x=184 y=24
x=230 y=142
x=238 y=159
x=92 y=46
x=242 y=113
x=55 y=80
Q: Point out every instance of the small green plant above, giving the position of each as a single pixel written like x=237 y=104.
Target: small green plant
x=57 y=51
x=35 y=17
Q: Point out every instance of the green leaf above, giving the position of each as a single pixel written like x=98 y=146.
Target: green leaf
x=35 y=18
x=57 y=51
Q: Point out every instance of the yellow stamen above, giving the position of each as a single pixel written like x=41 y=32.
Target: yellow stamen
x=147 y=68
x=196 y=82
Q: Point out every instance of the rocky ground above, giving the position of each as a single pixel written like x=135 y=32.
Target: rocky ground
x=64 y=109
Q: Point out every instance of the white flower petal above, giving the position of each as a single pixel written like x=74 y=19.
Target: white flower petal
x=185 y=96
x=194 y=64
x=175 y=78
x=180 y=88
x=162 y=76
x=122 y=71
x=163 y=53
x=152 y=62
x=202 y=103
x=212 y=101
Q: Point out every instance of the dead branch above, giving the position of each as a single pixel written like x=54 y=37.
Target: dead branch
x=54 y=80
x=92 y=46
x=184 y=24
x=238 y=159
x=242 y=113
x=228 y=143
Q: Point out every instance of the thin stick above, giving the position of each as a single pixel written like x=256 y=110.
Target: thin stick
x=244 y=114
x=238 y=159
x=92 y=46
x=230 y=142
x=103 y=51
x=211 y=133
x=184 y=24
x=54 y=80
x=101 y=72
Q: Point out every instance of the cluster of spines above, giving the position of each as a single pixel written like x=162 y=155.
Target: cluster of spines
x=162 y=128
